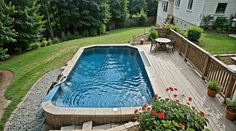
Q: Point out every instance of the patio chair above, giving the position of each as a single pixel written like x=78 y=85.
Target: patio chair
x=154 y=45
x=170 y=46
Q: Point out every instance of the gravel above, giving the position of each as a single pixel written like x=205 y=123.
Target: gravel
x=29 y=114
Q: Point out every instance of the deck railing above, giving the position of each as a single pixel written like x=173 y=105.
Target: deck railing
x=208 y=66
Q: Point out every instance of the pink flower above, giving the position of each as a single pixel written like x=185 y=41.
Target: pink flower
x=175 y=89
x=171 y=88
x=155 y=96
x=175 y=95
x=135 y=111
x=153 y=112
x=190 y=98
x=202 y=114
x=149 y=108
x=144 y=107
x=167 y=89
x=161 y=115
x=149 y=101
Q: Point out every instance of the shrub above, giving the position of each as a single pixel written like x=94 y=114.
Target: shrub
x=3 y=54
x=44 y=42
x=49 y=41
x=173 y=27
x=171 y=115
x=221 y=23
x=93 y=32
x=153 y=34
x=85 y=33
x=194 y=33
x=63 y=36
x=206 y=20
x=102 y=29
x=69 y=36
x=142 y=19
x=55 y=40
x=213 y=85
x=34 y=46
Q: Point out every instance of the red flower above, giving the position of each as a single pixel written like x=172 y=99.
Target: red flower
x=188 y=103
x=153 y=112
x=144 y=107
x=149 y=108
x=175 y=95
x=149 y=101
x=202 y=114
x=155 y=96
x=167 y=89
x=171 y=88
x=175 y=89
x=190 y=98
x=161 y=115
x=136 y=111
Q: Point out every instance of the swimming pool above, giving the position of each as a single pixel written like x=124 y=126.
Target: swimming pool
x=102 y=84
x=107 y=76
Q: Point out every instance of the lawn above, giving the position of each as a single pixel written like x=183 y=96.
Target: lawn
x=218 y=43
x=30 y=66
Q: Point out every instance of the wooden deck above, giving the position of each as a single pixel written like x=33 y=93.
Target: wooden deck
x=170 y=69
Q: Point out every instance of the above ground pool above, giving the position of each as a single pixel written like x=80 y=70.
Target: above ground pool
x=110 y=76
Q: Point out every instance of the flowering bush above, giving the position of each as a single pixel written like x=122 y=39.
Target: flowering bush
x=171 y=114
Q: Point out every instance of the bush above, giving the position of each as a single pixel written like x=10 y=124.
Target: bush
x=102 y=29
x=55 y=40
x=63 y=36
x=3 y=54
x=206 y=20
x=69 y=36
x=171 y=115
x=221 y=24
x=44 y=42
x=34 y=46
x=153 y=34
x=93 y=32
x=49 y=41
x=194 y=33
x=173 y=27
x=85 y=33
x=142 y=19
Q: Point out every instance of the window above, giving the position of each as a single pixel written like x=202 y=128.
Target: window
x=221 y=8
x=190 y=4
x=165 y=6
x=177 y=3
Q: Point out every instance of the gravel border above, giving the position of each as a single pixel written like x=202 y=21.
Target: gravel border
x=29 y=114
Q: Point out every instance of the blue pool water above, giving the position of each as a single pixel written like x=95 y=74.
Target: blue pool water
x=106 y=77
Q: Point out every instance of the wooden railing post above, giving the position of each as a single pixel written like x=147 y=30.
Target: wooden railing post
x=205 y=66
x=185 y=52
x=230 y=86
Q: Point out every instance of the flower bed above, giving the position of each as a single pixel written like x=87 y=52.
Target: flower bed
x=171 y=114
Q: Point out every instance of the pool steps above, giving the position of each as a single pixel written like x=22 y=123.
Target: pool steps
x=88 y=126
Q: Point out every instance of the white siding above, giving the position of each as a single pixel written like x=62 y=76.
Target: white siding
x=161 y=15
x=211 y=5
x=190 y=16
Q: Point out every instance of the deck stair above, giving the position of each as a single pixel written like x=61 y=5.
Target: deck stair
x=88 y=126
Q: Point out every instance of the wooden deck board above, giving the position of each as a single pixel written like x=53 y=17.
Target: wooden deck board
x=170 y=69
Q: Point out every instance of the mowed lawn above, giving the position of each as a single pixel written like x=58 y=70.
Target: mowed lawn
x=30 y=66
x=218 y=43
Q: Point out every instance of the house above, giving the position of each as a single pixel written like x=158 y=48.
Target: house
x=185 y=13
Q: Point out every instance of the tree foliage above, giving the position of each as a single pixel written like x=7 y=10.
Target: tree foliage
x=136 y=6
x=152 y=7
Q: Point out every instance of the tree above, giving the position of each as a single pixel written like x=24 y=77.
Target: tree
x=28 y=24
x=119 y=11
x=136 y=6
x=7 y=33
x=152 y=7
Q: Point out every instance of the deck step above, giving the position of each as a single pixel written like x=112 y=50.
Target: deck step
x=87 y=125
x=67 y=128
x=114 y=125
x=104 y=127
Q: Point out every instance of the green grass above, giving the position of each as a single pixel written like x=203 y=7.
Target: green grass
x=218 y=43
x=30 y=66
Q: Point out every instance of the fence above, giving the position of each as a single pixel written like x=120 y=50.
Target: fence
x=208 y=66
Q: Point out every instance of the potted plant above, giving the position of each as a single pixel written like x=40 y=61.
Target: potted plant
x=213 y=88
x=230 y=110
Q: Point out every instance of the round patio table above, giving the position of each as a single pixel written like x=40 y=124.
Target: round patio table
x=163 y=42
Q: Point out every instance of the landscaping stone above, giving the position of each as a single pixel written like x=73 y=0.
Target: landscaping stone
x=29 y=113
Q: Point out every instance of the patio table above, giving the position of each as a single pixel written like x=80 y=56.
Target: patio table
x=163 y=42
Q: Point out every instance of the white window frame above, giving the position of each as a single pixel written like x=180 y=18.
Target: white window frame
x=177 y=3
x=190 y=5
x=224 y=10
x=164 y=6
